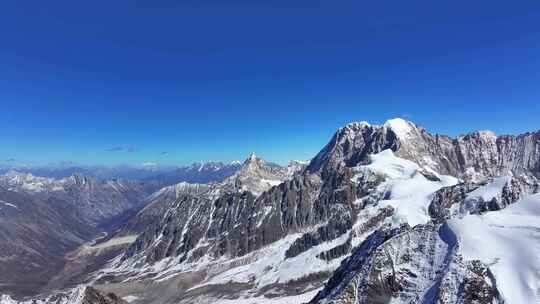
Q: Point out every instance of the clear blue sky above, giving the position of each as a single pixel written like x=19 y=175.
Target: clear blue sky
x=217 y=79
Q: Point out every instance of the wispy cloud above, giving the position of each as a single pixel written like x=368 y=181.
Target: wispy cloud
x=149 y=164
x=10 y=160
x=164 y=153
x=66 y=163
x=115 y=149
x=120 y=149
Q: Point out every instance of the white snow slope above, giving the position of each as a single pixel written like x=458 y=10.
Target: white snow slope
x=509 y=241
x=408 y=191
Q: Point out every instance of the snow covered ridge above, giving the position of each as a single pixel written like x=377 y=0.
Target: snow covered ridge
x=407 y=190
x=255 y=175
x=400 y=127
x=14 y=181
x=480 y=154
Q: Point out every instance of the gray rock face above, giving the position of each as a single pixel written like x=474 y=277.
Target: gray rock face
x=351 y=145
x=233 y=224
x=161 y=202
x=409 y=265
x=228 y=215
x=445 y=198
x=92 y=296
x=99 y=201
x=341 y=287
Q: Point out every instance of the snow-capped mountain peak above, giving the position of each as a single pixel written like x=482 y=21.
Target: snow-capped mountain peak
x=257 y=175
x=478 y=153
x=400 y=127
x=252 y=157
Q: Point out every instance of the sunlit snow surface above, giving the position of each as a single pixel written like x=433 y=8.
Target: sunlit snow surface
x=303 y=298
x=130 y=298
x=401 y=127
x=4 y=203
x=509 y=241
x=269 y=265
x=407 y=190
x=491 y=190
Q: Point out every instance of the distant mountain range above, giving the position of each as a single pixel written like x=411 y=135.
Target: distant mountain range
x=198 y=173
x=202 y=172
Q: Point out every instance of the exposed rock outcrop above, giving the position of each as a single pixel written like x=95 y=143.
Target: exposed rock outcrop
x=409 y=265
